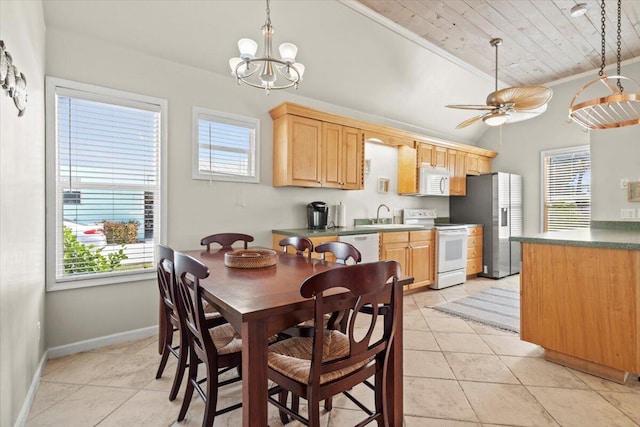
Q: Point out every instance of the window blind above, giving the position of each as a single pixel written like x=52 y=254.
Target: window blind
x=226 y=147
x=567 y=188
x=107 y=195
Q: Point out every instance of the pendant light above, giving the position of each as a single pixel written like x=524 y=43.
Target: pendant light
x=614 y=110
x=267 y=72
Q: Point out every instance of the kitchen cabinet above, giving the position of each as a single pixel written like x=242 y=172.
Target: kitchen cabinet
x=414 y=250
x=474 y=249
x=457 y=165
x=312 y=153
x=275 y=238
x=478 y=165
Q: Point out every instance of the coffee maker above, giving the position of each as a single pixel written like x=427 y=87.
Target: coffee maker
x=317 y=213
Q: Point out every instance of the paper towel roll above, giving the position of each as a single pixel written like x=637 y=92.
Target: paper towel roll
x=341 y=217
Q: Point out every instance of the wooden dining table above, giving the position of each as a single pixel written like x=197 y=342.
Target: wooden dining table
x=261 y=302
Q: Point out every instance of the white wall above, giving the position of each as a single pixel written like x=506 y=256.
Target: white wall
x=198 y=208
x=21 y=209
x=615 y=153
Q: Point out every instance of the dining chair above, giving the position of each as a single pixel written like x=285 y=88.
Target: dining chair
x=170 y=318
x=298 y=243
x=226 y=240
x=342 y=251
x=333 y=361
x=218 y=347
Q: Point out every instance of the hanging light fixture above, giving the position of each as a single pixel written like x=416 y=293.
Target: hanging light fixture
x=614 y=110
x=267 y=72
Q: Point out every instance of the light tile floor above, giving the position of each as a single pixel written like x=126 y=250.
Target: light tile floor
x=456 y=373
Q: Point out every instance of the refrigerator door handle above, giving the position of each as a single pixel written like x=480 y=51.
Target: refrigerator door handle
x=503 y=217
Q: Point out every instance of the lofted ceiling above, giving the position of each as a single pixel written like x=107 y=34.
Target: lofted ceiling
x=542 y=42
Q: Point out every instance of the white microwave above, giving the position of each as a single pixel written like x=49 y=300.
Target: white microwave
x=433 y=182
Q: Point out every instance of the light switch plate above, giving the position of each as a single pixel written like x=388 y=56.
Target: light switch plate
x=627 y=213
x=624 y=183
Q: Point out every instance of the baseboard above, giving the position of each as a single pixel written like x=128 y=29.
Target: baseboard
x=31 y=394
x=77 y=347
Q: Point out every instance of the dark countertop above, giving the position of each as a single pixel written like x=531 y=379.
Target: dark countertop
x=345 y=231
x=593 y=237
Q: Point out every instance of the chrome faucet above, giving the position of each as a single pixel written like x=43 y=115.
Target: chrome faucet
x=378 y=212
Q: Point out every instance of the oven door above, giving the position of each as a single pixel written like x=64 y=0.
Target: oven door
x=452 y=249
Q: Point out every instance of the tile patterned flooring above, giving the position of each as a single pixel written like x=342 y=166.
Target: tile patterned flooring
x=456 y=373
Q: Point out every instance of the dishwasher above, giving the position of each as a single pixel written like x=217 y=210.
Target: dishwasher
x=367 y=244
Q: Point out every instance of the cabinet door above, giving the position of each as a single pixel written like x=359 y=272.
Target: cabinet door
x=425 y=154
x=332 y=155
x=351 y=176
x=397 y=252
x=484 y=165
x=407 y=170
x=304 y=148
x=440 y=155
x=422 y=262
x=472 y=164
x=458 y=170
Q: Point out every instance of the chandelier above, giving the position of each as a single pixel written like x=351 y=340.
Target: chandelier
x=616 y=109
x=267 y=72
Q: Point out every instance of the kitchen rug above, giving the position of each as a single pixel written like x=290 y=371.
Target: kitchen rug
x=494 y=307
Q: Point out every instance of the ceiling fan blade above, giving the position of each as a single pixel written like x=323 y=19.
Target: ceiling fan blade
x=471 y=107
x=470 y=121
x=522 y=97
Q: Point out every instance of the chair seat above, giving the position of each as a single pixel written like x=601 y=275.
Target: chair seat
x=226 y=339
x=292 y=357
x=210 y=311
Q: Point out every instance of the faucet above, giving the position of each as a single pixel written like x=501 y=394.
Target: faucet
x=378 y=212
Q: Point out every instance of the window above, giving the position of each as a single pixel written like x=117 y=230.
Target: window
x=104 y=195
x=566 y=188
x=225 y=147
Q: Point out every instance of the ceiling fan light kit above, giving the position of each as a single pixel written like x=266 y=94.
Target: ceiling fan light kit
x=614 y=110
x=267 y=72
x=511 y=104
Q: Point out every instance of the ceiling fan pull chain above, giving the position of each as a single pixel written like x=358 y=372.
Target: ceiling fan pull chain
x=602 y=20
x=619 y=42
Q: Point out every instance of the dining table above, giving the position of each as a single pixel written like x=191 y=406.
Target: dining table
x=260 y=302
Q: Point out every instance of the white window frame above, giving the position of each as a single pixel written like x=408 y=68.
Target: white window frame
x=53 y=222
x=200 y=113
x=543 y=155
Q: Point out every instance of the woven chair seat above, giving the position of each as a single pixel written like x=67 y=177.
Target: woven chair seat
x=292 y=357
x=226 y=339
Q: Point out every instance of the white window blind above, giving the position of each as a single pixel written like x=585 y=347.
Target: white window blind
x=225 y=146
x=567 y=188
x=105 y=194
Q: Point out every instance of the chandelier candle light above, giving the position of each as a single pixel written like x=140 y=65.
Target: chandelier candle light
x=267 y=72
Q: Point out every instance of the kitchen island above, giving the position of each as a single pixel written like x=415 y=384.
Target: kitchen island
x=580 y=297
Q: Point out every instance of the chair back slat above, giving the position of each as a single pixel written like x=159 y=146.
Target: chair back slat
x=342 y=251
x=166 y=278
x=298 y=243
x=226 y=240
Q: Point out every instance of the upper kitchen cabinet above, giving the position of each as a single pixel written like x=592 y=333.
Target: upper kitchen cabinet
x=313 y=153
x=478 y=165
x=457 y=161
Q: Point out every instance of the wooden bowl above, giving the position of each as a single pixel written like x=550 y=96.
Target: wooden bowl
x=251 y=258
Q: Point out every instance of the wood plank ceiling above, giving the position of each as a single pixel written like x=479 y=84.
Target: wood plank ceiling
x=542 y=42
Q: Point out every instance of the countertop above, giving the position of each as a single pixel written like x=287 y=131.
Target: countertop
x=593 y=237
x=345 y=231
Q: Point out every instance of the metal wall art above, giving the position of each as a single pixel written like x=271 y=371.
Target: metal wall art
x=14 y=82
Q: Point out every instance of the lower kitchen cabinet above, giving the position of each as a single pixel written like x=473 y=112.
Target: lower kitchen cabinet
x=414 y=250
x=474 y=250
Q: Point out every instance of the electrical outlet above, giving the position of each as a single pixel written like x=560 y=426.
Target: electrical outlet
x=627 y=213
x=624 y=183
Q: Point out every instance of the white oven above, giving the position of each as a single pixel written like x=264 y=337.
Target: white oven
x=451 y=256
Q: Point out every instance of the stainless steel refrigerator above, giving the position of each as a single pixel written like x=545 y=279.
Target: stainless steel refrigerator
x=495 y=201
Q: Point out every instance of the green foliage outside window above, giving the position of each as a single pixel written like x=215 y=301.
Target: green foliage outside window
x=80 y=258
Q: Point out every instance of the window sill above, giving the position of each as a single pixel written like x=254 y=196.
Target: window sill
x=79 y=283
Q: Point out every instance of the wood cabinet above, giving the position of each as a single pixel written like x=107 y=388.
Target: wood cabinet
x=312 y=153
x=478 y=165
x=414 y=250
x=474 y=249
x=457 y=161
x=275 y=238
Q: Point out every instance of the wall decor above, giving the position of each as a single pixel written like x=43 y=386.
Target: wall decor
x=633 y=189
x=13 y=81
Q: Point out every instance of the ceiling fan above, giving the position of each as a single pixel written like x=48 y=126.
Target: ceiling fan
x=508 y=105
